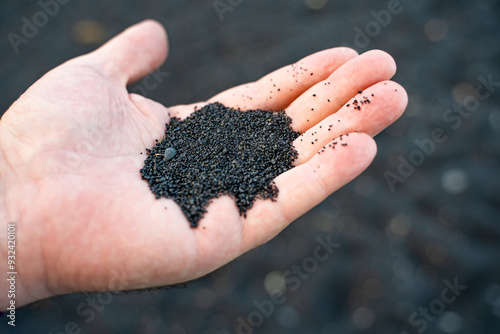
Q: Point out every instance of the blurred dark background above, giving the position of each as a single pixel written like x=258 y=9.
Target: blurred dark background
x=398 y=248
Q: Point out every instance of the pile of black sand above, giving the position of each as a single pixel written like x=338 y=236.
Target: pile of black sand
x=220 y=151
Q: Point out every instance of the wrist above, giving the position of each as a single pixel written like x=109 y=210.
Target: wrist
x=3 y=171
x=18 y=239
x=4 y=219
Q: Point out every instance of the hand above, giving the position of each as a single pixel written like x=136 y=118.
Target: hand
x=70 y=160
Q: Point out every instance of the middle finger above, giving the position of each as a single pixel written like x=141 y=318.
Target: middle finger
x=328 y=96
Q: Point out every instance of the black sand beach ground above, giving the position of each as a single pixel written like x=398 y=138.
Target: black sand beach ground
x=395 y=251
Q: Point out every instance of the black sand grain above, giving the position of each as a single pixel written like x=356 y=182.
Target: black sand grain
x=220 y=151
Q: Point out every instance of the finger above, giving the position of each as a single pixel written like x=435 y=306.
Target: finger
x=278 y=89
x=385 y=103
x=184 y=110
x=331 y=94
x=304 y=186
x=132 y=54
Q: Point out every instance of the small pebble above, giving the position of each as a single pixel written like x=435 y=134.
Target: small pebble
x=169 y=153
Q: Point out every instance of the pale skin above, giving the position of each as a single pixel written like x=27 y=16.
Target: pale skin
x=70 y=159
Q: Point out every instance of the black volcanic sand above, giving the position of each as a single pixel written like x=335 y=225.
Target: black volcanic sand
x=220 y=151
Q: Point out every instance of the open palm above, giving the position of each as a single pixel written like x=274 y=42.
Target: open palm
x=72 y=149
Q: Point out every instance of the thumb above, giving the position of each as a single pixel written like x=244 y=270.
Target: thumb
x=132 y=54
